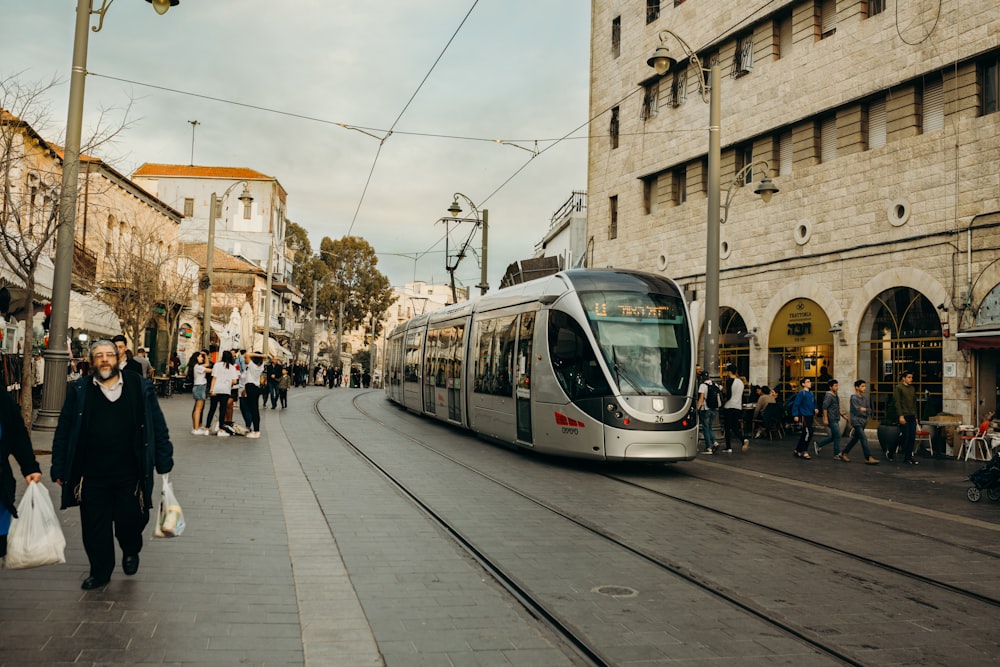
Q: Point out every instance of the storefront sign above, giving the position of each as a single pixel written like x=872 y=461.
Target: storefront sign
x=800 y=323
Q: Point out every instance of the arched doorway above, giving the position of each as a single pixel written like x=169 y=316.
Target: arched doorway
x=901 y=330
x=734 y=346
x=800 y=345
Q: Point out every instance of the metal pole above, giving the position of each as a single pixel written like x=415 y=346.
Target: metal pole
x=712 y=276
x=484 y=286
x=340 y=328
x=267 y=301
x=312 y=328
x=206 y=324
x=194 y=124
x=57 y=356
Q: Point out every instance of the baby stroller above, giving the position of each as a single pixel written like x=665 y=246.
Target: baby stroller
x=986 y=479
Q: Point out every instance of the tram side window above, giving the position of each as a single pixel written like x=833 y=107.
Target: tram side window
x=495 y=362
x=412 y=354
x=457 y=355
x=573 y=358
x=432 y=356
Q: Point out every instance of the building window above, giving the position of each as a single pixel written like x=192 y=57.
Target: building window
x=989 y=83
x=678 y=87
x=649 y=194
x=784 y=27
x=875 y=7
x=188 y=207
x=876 y=123
x=827 y=139
x=613 y=127
x=613 y=211
x=933 y=105
x=743 y=58
x=652 y=10
x=784 y=153
x=744 y=159
x=680 y=185
x=247 y=209
x=616 y=37
x=827 y=18
x=649 y=100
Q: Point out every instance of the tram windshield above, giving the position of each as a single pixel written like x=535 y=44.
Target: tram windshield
x=644 y=339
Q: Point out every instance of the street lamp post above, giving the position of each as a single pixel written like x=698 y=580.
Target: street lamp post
x=206 y=325
x=661 y=61
x=480 y=220
x=56 y=355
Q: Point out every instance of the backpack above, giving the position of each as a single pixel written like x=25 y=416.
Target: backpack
x=713 y=397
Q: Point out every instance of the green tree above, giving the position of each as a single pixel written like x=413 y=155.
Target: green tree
x=354 y=281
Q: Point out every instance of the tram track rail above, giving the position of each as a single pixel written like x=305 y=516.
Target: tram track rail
x=872 y=562
x=538 y=607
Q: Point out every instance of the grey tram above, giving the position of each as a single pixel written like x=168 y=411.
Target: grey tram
x=587 y=363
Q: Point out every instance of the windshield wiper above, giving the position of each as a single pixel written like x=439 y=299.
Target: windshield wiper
x=622 y=375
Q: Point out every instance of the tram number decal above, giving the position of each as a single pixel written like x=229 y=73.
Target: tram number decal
x=569 y=425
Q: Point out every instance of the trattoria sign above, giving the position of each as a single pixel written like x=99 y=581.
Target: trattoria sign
x=800 y=323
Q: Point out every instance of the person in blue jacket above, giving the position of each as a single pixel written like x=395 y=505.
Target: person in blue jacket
x=110 y=435
x=14 y=440
x=803 y=410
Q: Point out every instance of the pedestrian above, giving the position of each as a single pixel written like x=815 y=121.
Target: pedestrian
x=858 y=418
x=142 y=359
x=197 y=374
x=284 y=382
x=905 y=396
x=764 y=398
x=14 y=441
x=253 y=368
x=708 y=409
x=831 y=419
x=109 y=437
x=225 y=376
x=273 y=371
x=803 y=410
x=125 y=360
x=732 y=412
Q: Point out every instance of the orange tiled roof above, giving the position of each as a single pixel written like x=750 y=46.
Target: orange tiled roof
x=183 y=170
x=221 y=261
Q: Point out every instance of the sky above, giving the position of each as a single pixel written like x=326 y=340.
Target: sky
x=269 y=82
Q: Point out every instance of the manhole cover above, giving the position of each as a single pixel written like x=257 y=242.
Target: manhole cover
x=616 y=591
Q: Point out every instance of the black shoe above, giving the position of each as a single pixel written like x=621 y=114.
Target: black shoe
x=130 y=564
x=90 y=583
x=912 y=462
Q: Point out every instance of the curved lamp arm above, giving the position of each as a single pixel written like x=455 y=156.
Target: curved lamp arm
x=765 y=187
x=455 y=209
x=662 y=62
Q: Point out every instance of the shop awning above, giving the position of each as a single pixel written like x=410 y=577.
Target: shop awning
x=274 y=348
x=92 y=315
x=983 y=337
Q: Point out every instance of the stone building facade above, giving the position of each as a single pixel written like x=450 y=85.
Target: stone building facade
x=879 y=123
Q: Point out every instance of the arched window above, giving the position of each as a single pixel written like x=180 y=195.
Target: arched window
x=901 y=330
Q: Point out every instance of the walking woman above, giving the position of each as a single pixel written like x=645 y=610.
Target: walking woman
x=252 y=370
x=803 y=410
x=225 y=375
x=14 y=441
x=197 y=372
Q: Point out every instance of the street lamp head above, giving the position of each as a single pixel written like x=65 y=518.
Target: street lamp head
x=765 y=188
x=661 y=60
x=454 y=209
x=245 y=196
x=161 y=6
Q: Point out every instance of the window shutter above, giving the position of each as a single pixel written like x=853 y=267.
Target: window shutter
x=876 y=124
x=934 y=105
x=828 y=139
x=785 y=154
x=828 y=20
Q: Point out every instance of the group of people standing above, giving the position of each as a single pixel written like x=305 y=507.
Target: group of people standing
x=239 y=378
x=803 y=409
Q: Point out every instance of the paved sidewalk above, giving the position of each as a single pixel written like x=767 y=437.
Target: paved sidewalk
x=255 y=579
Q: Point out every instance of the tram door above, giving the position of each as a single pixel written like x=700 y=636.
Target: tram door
x=522 y=399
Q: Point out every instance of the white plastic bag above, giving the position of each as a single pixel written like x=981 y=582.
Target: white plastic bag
x=35 y=537
x=169 y=517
